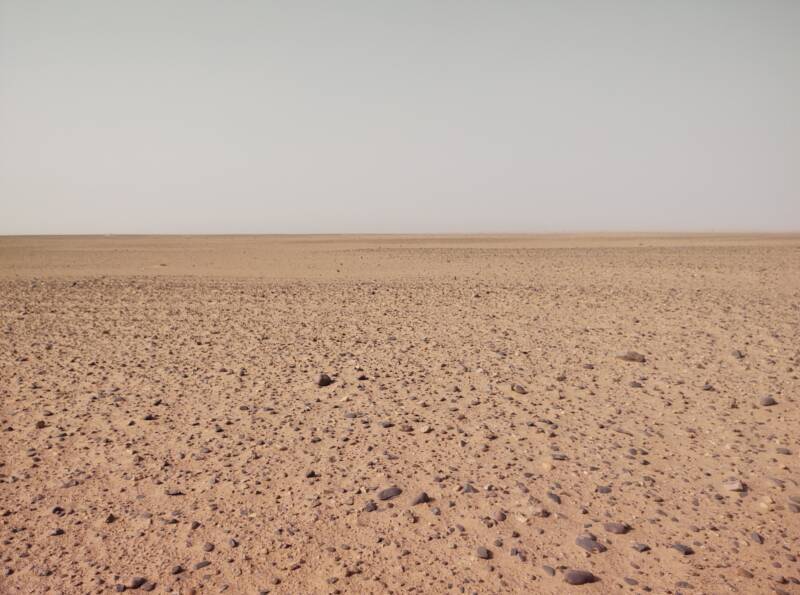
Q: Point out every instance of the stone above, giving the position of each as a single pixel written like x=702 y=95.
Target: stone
x=617 y=528
x=734 y=485
x=589 y=542
x=389 y=493
x=578 y=577
x=633 y=356
x=421 y=498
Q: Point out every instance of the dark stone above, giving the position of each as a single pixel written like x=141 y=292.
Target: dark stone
x=589 y=542
x=389 y=493
x=421 y=498
x=617 y=528
x=579 y=577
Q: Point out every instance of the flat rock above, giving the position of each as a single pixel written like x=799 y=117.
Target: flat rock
x=389 y=493
x=578 y=577
x=632 y=356
x=617 y=528
x=589 y=543
x=734 y=485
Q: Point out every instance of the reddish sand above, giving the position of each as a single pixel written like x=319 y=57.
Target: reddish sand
x=161 y=416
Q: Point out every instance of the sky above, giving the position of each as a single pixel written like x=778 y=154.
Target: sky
x=189 y=116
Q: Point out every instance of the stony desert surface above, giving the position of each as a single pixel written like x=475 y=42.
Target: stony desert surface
x=385 y=414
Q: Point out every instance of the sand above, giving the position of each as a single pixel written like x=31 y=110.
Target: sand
x=162 y=416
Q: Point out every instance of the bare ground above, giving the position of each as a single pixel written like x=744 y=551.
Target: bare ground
x=160 y=411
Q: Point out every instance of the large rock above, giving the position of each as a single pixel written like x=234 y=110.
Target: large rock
x=578 y=577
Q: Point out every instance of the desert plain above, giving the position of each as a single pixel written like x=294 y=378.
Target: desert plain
x=400 y=414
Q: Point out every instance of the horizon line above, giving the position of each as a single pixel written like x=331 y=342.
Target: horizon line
x=413 y=234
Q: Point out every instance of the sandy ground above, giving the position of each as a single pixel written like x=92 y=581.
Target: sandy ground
x=161 y=414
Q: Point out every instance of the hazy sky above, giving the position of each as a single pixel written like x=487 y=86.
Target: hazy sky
x=438 y=116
